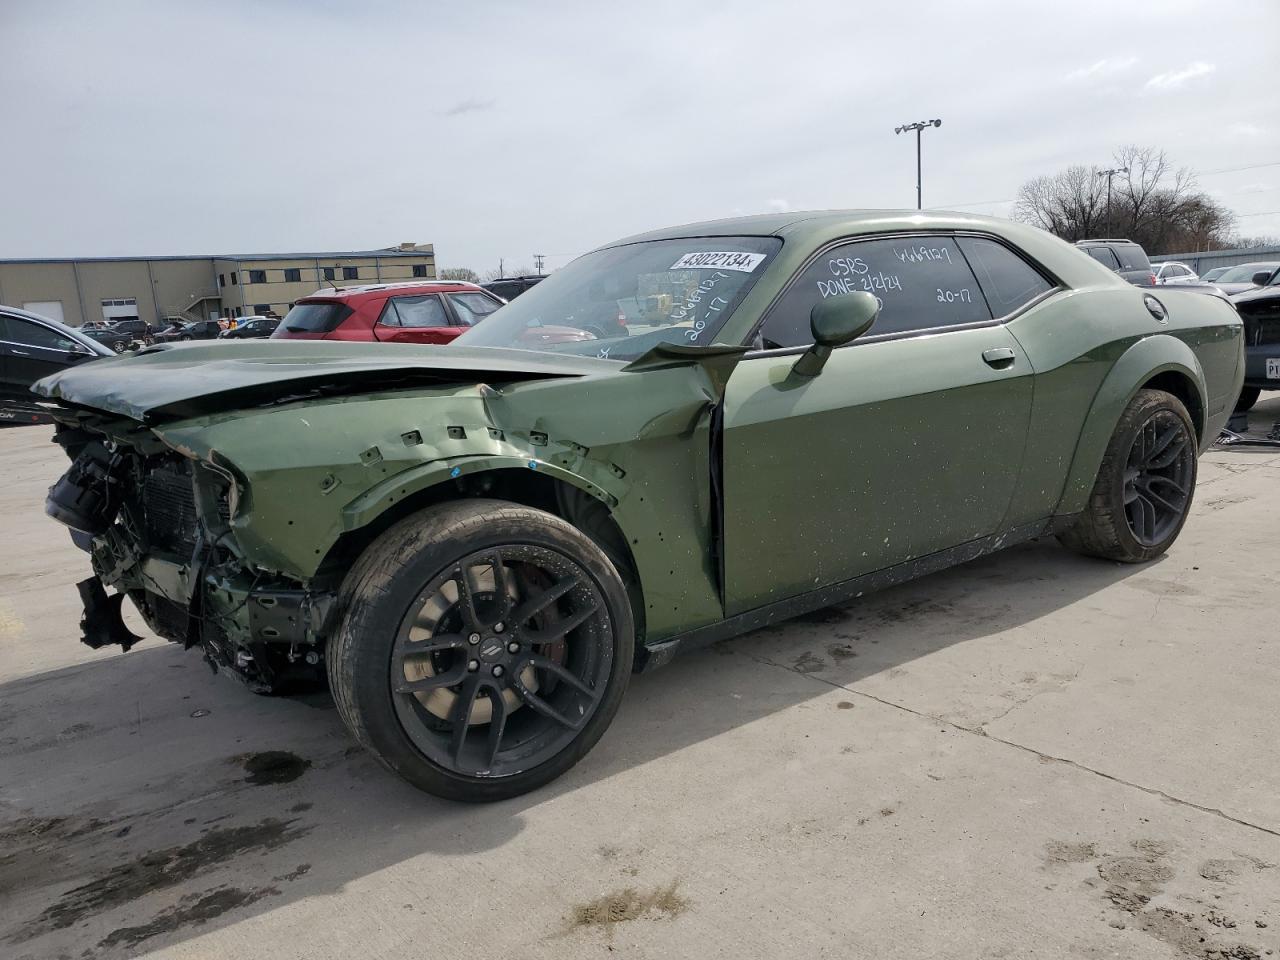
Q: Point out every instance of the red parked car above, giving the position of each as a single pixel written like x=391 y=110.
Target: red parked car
x=423 y=311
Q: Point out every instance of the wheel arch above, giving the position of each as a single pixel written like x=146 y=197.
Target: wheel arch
x=530 y=483
x=1162 y=363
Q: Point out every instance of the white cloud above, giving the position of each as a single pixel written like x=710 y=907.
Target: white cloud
x=1107 y=67
x=1176 y=78
x=1245 y=130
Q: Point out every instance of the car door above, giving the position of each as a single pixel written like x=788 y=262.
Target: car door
x=418 y=319
x=908 y=442
x=34 y=351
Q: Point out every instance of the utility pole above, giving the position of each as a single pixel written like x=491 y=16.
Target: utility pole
x=918 y=126
x=1109 y=174
x=537 y=262
x=502 y=268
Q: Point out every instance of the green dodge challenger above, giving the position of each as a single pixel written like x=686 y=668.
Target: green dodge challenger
x=480 y=542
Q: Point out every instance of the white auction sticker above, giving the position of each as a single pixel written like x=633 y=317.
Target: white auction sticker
x=742 y=262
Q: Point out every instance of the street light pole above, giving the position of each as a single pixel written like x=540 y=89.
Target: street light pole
x=1109 y=174
x=918 y=126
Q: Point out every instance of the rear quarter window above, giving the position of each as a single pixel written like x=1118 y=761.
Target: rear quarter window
x=1007 y=281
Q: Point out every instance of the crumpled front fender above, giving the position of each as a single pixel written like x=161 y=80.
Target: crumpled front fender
x=367 y=454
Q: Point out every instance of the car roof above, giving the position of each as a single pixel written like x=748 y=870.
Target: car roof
x=407 y=287
x=1086 y=243
x=833 y=223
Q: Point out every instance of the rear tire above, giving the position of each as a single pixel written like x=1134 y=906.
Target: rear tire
x=1145 y=486
x=449 y=679
x=1248 y=397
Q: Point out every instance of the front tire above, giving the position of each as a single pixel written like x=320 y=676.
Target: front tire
x=1248 y=397
x=1145 y=485
x=483 y=649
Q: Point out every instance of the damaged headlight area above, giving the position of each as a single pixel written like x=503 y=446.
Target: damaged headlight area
x=159 y=528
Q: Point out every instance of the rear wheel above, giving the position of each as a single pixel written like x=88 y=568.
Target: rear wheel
x=1248 y=397
x=1144 y=488
x=484 y=649
x=120 y=346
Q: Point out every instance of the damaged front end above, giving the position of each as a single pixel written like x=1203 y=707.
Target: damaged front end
x=157 y=525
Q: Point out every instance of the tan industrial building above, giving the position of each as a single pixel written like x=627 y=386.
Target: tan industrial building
x=198 y=288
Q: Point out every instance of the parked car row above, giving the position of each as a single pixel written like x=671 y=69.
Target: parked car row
x=438 y=311
x=1252 y=288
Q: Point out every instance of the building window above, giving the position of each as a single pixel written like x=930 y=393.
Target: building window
x=261 y=308
x=328 y=273
x=350 y=273
x=222 y=281
x=419 y=269
x=239 y=312
x=257 y=276
x=234 y=274
x=292 y=275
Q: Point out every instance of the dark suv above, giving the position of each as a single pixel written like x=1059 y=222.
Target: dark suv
x=140 y=330
x=508 y=288
x=196 y=330
x=1124 y=257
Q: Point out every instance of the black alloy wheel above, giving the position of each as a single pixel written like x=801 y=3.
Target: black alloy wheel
x=499 y=663
x=1158 y=477
x=483 y=648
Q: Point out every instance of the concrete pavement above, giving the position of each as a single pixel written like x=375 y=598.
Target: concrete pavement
x=1033 y=755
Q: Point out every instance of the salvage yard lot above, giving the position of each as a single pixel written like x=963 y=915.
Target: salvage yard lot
x=1033 y=755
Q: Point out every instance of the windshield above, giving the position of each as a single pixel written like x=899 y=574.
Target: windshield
x=620 y=302
x=1244 y=273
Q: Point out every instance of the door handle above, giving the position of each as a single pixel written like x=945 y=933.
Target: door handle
x=999 y=357
x=20 y=353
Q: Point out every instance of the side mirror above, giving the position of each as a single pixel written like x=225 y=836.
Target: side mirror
x=835 y=322
x=1261 y=277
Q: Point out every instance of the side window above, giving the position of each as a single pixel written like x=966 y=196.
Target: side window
x=388 y=317
x=1104 y=256
x=1007 y=280
x=921 y=282
x=471 y=308
x=414 y=312
x=34 y=335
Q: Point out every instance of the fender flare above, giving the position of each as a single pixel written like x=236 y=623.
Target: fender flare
x=382 y=497
x=1147 y=358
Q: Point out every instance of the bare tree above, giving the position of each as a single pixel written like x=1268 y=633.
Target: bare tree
x=1151 y=203
x=1250 y=243
x=497 y=273
x=460 y=273
x=1070 y=204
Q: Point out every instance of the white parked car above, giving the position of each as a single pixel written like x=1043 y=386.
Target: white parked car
x=1172 y=273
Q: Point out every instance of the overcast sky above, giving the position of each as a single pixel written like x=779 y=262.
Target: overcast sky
x=507 y=129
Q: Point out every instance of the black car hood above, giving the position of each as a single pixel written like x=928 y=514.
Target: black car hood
x=1254 y=294
x=174 y=381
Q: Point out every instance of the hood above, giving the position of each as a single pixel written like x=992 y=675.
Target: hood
x=177 y=381
x=1231 y=289
x=1254 y=294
